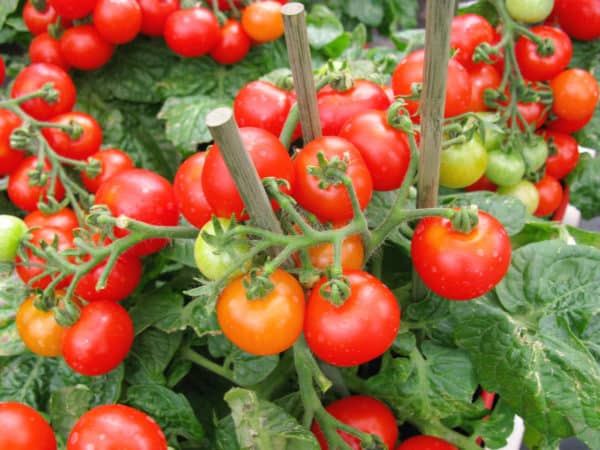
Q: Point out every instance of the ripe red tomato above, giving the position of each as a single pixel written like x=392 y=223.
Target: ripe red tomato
x=154 y=15
x=33 y=78
x=564 y=154
x=266 y=325
x=45 y=49
x=270 y=158
x=64 y=220
x=2 y=71
x=38 y=329
x=99 y=340
x=263 y=21
x=366 y=414
x=483 y=77
x=410 y=71
x=188 y=191
x=24 y=428
x=141 y=195
x=37 y=21
x=25 y=196
x=71 y=9
x=112 y=162
x=332 y=203
x=81 y=147
x=118 y=21
x=234 y=44
x=115 y=426
x=370 y=318
x=385 y=149
x=540 y=68
x=551 y=194
x=568 y=126
x=192 y=32
x=336 y=108
x=460 y=266
x=10 y=157
x=322 y=256
x=424 y=442
x=84 y=48
x=575 y=94
x=579 y=18
x=483 y=184
x=467 y=32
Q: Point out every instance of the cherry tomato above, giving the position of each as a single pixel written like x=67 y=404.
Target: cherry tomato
x=267 y=325
x=575 y=94
x=533 y=113
x=483 y=184
x=332 y=203
x=71 y=9
x=535 y=153
x=353 y=254
x=366 y=414
x=99 y=340
x=483 y=77
x=118 y=21
x=263 y=21
x=524 y=191
x=24 y=428
x=112 y=162
x=467 y=32
x=460 y=266
x=535 y=67
x=425 y=442
x=37 y=21
x=10 y=157
x=86 y=144
x=25 y=196
x=189 y=195
x=38 y=329
x=529 y=11
x=141 y=195
x=45 y=49
x=234 y=44
x=551 y=193
x=564 y=153
x=64 y=220
x=463 y=164
x=579 y=18
x=2 y=71
x=12 y=230
x=192 y=32
x=154 y=15
x=84 y=48
x=33 y=78
x=115 y=426
x=568 y=126
x=505 y=168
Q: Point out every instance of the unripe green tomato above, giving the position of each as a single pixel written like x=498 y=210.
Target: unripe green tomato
x=463 y=164
x=12 y=230
x=492 y=132
x=525 y=191
x=535 y=153
x=529 y=11
x=504 y=168
x=215 y=263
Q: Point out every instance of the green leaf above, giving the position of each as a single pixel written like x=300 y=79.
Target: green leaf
x=482 y=8
x=250 y=369
x=200 y=313
x=323 y=26
x=584 y=186
x=182 y=251
x=6 y=8
x=161 y=308
x=225 y=434
x=399 y=14
x=67 y=405
x=12 y=294
x=370 y=13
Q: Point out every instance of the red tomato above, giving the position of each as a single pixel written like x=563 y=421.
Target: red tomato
x=45 y=49
x=385 y=149
x=483 y=184
x=192 y=32
x=37 y=21
x=2 y=71
x=64 y=220
x=533 y=113
x=575 y=94
x=424 y=442
x=154 y=15
x=188 y=191
x=73 y=9
x=84 y=48
x=10 y=157
x=551 y=193
x=366 y=414
x=25 y=196
x=410 y=71
x=370 y=318
x=579 y=18
x=467 y=32
x=81 y=147
x=568 y=126
x=234 y=44
x=564 y=154
x=540 y=68
x=335 y=108
x=108 y=427
x=332 y=203
x=100 y=340
x=24 y=428
x=460 y=266
x=112 y=162
x=483 y=77
x=118 y=21
x=270 y=158
x=33 y=78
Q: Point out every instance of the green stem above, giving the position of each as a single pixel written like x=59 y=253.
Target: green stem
x=206 y=363
x=289 y=127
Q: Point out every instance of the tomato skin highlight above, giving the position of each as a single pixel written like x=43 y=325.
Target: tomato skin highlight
x=25 y=428
x=460 y=266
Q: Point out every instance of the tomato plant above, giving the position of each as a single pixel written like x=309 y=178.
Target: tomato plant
x=28 y=429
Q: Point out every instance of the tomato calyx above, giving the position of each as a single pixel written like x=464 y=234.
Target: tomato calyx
x=465 y=219
x=329 y=172
x=39 y=5
x=337 y=289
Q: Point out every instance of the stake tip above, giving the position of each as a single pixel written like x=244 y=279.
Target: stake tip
x=218 y=117
x=292 y=9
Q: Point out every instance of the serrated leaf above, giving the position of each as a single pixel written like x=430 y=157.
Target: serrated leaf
x=497 y=426
x=250 y=369
x=584 y=186
x=67 y=405
x=370 y=13
x=323 y=26
x=161 y=308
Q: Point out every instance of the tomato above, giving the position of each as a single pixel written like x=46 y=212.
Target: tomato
x=267 y=325
x=118 y=21
x=10 y=157
x=12 y=230
x=467 y=32
x=568 y=126
x=24 y=428
x=483 y=184
x=353 y=254
x=533 y=113
x=505 y=168
x=141 y=195
x=460 y=266
x=71 y=9
x=45 y=49
x=551 y=193
x=84 y=48
x=336 y=108
x=263 y=21
x=262 y=104
x=99 y=340
x=370 y=318
x=109 y=427
x=535 y=153
x=525 y=191
x=535 y=67
x=564 y=154
x=38 y=329
x=112 y=162
x=2 y=71
x=189 y=195
x=37 y=21
x=385 y=149
x=575 y=94
x=463 y=164
x=64 y=219
x=25 y=196
x=493 y=133
x=35 y=265
x=33 y=78
x=410 y=71
x=234 y=44
x=270 y=158
x=425 y=442
x=529 y=11
x=154 y=15
x=192 y=32
x=483 y=77
x=366 y=414
x=579 y=18
x=85 y=145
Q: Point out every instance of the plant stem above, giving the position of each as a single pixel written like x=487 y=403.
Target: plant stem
x=206 y=363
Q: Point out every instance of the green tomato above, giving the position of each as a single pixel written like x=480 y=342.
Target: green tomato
x=214 y=263
x=462 y=164
x=492 y=132
x=504 y=168
x=535 y=153
x=525 y=191
x=529 y=11
x=12 y=230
